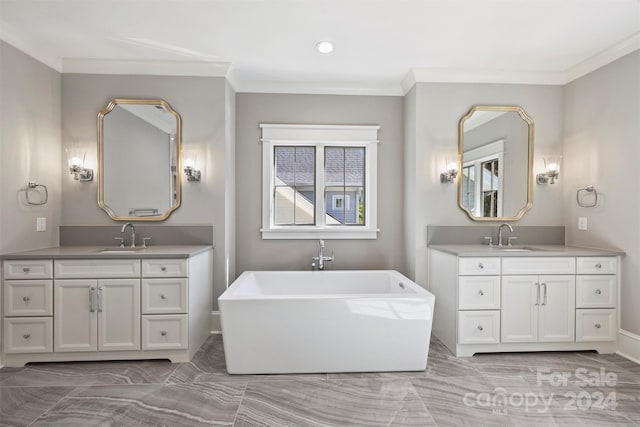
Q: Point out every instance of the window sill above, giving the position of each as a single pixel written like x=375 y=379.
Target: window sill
x=319 y=233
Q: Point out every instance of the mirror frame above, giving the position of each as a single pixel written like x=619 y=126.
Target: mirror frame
x=178 y=190
x=529 y=121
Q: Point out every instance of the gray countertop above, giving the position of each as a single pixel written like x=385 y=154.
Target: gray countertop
x=84 y=252
x=533 y=251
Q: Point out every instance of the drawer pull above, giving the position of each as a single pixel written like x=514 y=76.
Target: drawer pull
x=163 y=296
x=163 y=268
x=480 y=266
x=481 y=292
x=26 y=336
x=26 y=299
x=598 y=265
x=598 y=325
x=598 y=291
x=480 y=328
x=26 y=269
x=163 y=333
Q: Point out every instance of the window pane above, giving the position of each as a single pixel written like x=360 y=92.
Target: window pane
x=294 y=197
x=285 y=159
x=354 y=166
x=344 y=205
x=334 y=166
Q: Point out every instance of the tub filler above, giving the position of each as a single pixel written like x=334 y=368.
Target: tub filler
x=325 y=321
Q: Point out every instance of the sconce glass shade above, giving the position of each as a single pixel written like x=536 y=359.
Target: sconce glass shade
x=551 y=170
x=189 y=160
x=75 y=160
x=450 y=174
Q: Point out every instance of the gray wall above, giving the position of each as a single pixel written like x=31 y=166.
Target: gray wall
x=253 y=253
x=434 y=110
x=29 y=149
x=202 y=104
x=602 y=148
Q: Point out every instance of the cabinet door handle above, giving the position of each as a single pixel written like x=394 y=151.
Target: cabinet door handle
x=598 y=265
x=480 y=328
x=99 y=299
x=598 y=325
x=481 y=292
x=92 y=290
x=26 y=299
x=598 y=291
x=544 y=302
x=26 y=336
x=537 y=285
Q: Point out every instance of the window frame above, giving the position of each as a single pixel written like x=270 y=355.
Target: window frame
x=319 y=136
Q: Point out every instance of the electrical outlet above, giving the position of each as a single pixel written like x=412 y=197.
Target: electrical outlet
x=41 y=223
x=582 y=223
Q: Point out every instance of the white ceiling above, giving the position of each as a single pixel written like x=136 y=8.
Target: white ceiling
x=378 y=43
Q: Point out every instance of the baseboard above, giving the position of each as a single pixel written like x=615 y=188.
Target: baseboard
x=215 y=322
x=629 y=345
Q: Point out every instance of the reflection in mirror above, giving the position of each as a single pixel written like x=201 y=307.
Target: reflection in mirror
x=139 y=155
x=496 y=156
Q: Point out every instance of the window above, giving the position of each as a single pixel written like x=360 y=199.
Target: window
x=482 y=186
x=319 y=182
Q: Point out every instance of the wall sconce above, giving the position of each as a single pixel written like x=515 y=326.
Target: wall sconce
x=449 y=176
x=75 y=159
x=189 y=161
x=551 y=170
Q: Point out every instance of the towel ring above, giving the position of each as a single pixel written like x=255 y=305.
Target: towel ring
x=581 y=193
x=33 y=186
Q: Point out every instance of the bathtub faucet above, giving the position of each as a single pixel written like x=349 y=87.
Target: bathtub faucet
x=321 y=258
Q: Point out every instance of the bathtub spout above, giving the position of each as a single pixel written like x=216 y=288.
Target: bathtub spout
x=321 y=258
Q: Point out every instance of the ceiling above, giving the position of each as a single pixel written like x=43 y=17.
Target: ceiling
x=380 y=45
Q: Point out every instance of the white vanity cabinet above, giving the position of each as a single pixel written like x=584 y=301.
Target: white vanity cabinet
x=524 y=303
x=101 y=309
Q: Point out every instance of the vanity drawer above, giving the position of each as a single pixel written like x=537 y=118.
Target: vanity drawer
x=487 y=266
x=28 y=269
x=164 y=331
x=28 y=335
x=28 y=298
x=479 y=293
x=96 y=268
x=479 y=327
x=596 y=291
x=164 y=296
x=597 y=265
x=164 y=268
x=538 y=265
x=595 y=324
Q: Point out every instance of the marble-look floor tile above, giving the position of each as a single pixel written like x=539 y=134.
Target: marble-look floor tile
x=7 y=372
x=20 y=406
x=147 y=405
x=574 y=410
x=359 y=402
x=482 y=401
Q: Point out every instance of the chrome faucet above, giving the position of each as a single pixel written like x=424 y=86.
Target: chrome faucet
x=133 y=233
x=500 y=232
x=321 y=258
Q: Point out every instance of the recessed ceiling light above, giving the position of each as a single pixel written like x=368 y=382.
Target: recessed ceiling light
x=324 y=47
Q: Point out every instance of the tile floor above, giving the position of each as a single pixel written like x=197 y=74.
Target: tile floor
x=493 y=389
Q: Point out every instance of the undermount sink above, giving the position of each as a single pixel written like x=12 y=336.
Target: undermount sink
x=521 y=249
x=119 y=250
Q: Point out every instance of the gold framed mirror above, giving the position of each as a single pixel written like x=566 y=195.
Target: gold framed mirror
x=495 y=163
x=139 y=158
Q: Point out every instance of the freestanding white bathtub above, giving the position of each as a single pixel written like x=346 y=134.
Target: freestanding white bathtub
x=325 y=321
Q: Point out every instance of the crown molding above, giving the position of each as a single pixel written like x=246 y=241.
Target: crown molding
x=319 y=88
x=603 y=58
x=145 y=67
x=9 y=35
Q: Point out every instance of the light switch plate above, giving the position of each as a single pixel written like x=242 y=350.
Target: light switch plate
x=582 y=223
x=41 y=223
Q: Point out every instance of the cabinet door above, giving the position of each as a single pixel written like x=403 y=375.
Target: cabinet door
x=118 y=314
x=519 y=309
x=75 y=323
x=557 y=309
